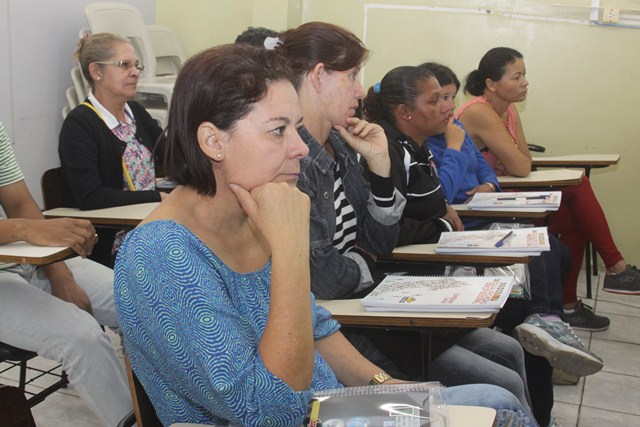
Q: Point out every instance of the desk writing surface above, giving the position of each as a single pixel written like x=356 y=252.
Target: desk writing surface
x=26 y=253
x=128 y=215
x=426 y=253
x=350 y=312
x=543 y=178
x=577 y=160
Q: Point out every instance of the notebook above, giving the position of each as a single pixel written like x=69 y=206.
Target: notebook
x=517 y=241
x=394 y=405
x=525 y=200
x=440 y=294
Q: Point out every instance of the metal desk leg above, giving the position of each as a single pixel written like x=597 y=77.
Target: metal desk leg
x=588 y=268
x=425 y=351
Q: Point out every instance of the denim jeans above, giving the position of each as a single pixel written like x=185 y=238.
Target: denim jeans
x=509 y=409
x=32 y=319
x=480 y=356
x=484 y=356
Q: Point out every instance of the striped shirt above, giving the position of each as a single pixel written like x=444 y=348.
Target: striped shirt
x=10 y=172
x=344 y=238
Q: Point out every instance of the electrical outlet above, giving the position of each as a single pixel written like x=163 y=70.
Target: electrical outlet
x=611 y=15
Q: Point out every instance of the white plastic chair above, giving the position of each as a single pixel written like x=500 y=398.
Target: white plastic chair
x=126 y=20
x=72 y=97
x=79 y=84
x=167 y=48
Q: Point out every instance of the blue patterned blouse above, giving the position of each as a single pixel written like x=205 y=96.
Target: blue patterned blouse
x=192 y=328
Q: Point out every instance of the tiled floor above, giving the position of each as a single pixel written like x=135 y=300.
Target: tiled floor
x=608 y=398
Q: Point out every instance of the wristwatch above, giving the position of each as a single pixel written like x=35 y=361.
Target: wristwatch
x=380 y=378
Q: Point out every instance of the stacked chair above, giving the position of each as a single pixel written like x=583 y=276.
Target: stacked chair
x=157 y=46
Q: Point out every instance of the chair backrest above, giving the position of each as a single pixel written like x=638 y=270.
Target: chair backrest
x=142 y=407
x=168 y=50
x=51 y=186
x=72 y=97
x=79 y=84
x=125 y=20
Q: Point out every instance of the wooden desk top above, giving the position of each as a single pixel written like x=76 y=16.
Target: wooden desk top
x=543 y=178
x=129 y=215
x=463 y=211
x=26 y=253
x=350 y=312
x=426 y=253
x=577 y=160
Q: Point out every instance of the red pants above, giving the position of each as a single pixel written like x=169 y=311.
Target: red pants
x=580 y=218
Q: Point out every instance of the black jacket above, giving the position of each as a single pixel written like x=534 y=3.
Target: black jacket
x=91 y=158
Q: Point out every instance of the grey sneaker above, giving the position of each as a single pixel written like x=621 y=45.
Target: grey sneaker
x=583 y=318
x=562 y=378
x=626 y=282
x=555 y=341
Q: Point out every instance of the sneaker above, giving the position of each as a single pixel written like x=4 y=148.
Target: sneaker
x=583 y=318
x=555 y=341
x=626 y=282
x=562 y=378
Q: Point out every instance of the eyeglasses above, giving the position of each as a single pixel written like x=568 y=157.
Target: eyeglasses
x=125 y=65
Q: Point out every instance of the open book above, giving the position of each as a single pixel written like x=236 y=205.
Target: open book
x=525 y=200
x=407 y=405
x=440 y=293
x=517 y=241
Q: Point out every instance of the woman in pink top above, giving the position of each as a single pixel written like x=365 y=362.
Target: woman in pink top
x=495 y=126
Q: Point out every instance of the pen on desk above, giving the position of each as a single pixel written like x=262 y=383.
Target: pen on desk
x=541 y=197
x=503 y=239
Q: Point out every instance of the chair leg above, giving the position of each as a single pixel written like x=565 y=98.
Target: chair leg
x=588 y=268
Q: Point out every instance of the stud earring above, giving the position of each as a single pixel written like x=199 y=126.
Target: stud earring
x=219 y=155
x=98 y=78
x=409 y=117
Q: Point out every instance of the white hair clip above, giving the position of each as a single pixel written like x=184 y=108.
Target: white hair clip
x=271 y=43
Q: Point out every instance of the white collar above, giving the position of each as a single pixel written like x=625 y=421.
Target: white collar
x=109 y=119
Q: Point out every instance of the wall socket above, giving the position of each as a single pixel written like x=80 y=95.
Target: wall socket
x=611 y=15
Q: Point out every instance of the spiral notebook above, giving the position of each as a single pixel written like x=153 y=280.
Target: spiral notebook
x=525 y=200
x=394 y=405
x=439 y=294
x=528 y=241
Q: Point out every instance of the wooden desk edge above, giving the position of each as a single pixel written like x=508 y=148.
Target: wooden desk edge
x=44 y=260
x=98 y=220
x=457 y=258
x=413 y=322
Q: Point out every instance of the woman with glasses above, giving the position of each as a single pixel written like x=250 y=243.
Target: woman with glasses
x=107 y=143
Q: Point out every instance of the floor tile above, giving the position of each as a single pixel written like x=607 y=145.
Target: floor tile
x=616 y=356
x=61 y=410
x=592 y=417
x=613 y=392
x=571 y=394
x=622 y=329
x=566 y=415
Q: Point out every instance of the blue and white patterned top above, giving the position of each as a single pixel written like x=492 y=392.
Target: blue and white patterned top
x=192 y=328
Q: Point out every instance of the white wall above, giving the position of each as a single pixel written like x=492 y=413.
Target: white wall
x=37 y=41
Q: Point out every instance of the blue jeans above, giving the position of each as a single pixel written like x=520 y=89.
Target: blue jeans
x=509 y=410
x=484 y=356
x=32 y=319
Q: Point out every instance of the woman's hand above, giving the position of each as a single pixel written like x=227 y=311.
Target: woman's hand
x=454 y=135
x=368 y=140
x=482 y=188
x=279 y=210
x=454 y=219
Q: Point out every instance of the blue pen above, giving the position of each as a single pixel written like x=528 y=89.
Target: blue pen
x=504 y=239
